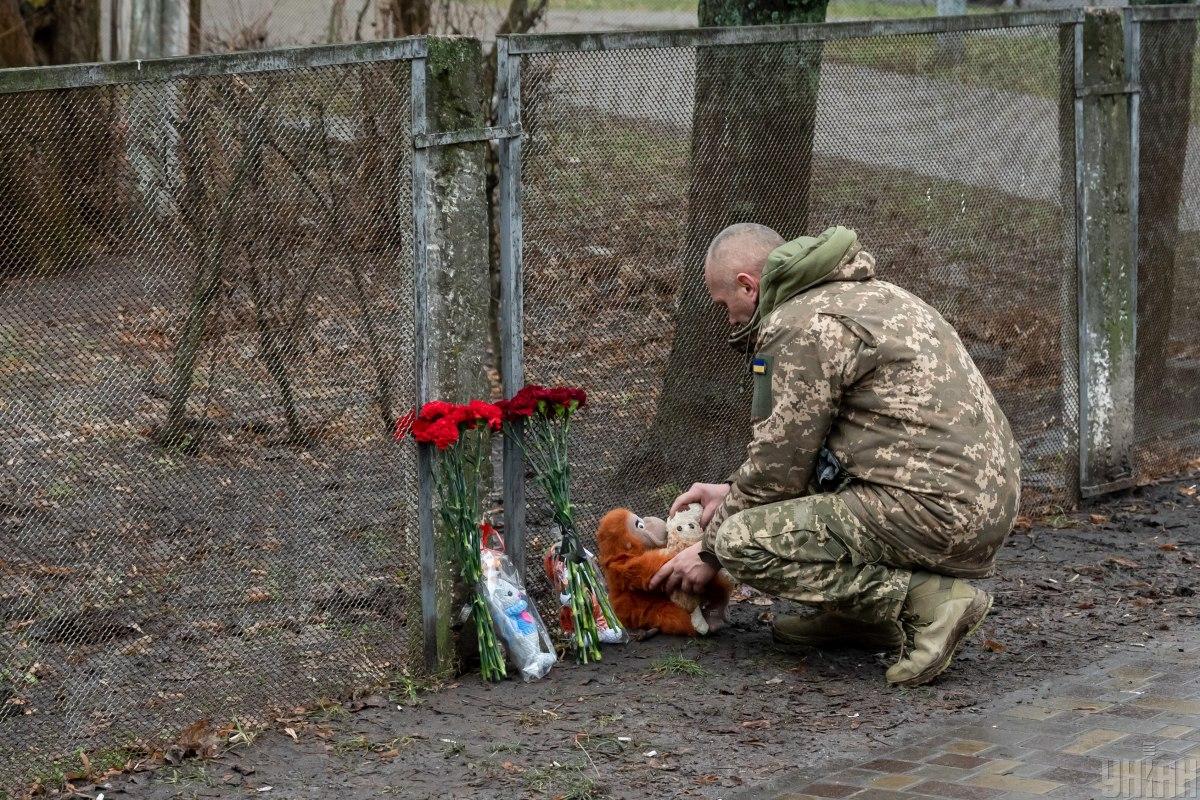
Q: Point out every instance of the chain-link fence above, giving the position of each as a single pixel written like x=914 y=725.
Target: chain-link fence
x=206 y=333
x=943 y=150
x=223 y=278
x=1167 y=392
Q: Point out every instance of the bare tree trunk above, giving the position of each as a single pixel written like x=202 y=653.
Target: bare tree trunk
x=66 y=31
x=337 y=18
x=522 y=16
x=16 y=45
x=36 y=182
x=176 y=432
x=408 y=17
x=272 y=350
x=1168 y=50
x=752 y=134
x=195 y=26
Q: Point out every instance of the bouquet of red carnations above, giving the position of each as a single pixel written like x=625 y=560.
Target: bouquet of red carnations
x=462 y=436
x=539 y=420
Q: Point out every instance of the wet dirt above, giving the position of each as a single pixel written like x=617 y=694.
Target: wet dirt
x=711 y=718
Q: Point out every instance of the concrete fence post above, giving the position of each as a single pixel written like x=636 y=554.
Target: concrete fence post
x=450 y=261
x=1106 y=228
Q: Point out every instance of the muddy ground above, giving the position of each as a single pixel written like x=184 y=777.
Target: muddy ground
x=714 y=718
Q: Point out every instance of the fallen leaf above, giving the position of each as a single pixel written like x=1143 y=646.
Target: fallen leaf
x=1097 y=519
x=1169 y=546
x=993 y=646
x=292 y=733
x=1022 y=523
x=761 y=600
x=1189 y=491
x=509 y=766
x=1085 y=605
x=755 y=724
x=199 y=739
x=256 y=595
x=1121 y=562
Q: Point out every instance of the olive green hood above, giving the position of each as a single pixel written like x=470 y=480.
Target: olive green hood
x=797 y=266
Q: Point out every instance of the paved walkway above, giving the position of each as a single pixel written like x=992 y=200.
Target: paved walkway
x=1127 y=728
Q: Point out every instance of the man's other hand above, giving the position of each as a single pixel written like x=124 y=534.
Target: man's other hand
x=685 y=571
x=708 y=495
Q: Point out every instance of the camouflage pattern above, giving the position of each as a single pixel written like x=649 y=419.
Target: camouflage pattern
x=880 y=378
x=813 y=550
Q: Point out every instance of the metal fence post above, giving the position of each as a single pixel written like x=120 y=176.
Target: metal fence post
x=1106 y=226
x=508 y=90
x=450 y=261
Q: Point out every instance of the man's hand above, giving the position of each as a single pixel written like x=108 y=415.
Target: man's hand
x=708 y=495
x=685 y=571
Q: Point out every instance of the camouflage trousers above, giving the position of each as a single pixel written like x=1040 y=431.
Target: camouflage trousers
x=814 y=551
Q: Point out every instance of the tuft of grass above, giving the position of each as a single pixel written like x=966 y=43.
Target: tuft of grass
x=242 y=734
x=1058 y=519
x=186 y=775
x=678 y=664
x=564 y=782
x=406 y=688
x=329 y=710
x=362 y=744
x=56 y=774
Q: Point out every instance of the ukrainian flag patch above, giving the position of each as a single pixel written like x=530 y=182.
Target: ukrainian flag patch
x=760 y=366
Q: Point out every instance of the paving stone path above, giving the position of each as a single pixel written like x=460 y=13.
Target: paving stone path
x=1129 y=727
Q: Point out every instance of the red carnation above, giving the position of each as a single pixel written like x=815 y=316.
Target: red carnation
x=441 y=432
x=489 y=413
x=404 y=425
x=524 y=403
x=437 y=408
x=567 y=398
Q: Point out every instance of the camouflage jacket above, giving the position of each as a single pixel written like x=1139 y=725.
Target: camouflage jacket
x=880 y=378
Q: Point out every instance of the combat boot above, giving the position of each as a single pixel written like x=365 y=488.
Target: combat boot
x=938 y=613
x=828 y=630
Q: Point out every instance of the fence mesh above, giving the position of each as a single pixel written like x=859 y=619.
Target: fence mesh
x=206 y=328
x=943 y=152
x=1167 y=368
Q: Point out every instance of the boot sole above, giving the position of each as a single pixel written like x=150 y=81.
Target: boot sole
x=970 y=622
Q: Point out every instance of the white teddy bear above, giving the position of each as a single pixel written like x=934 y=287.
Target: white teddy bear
x=683 y=528
x=683 y=531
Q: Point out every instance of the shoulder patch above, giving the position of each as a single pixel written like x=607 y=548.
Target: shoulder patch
x=760 y=366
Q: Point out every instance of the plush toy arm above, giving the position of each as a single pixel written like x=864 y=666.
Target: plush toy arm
x=638 y=571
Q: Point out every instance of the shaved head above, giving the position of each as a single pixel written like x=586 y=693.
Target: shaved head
x=742 y=240
x=733 y=267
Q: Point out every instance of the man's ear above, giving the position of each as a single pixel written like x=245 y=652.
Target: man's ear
x=747 y=283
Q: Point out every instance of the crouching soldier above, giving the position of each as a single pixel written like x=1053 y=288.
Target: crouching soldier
x=881 y=473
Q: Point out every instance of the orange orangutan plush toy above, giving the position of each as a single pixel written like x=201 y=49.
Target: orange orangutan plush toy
x=631 y=552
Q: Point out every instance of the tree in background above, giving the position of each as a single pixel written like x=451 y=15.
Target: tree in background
x=752 y=136
x=1168 y=52
x=40 y=209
